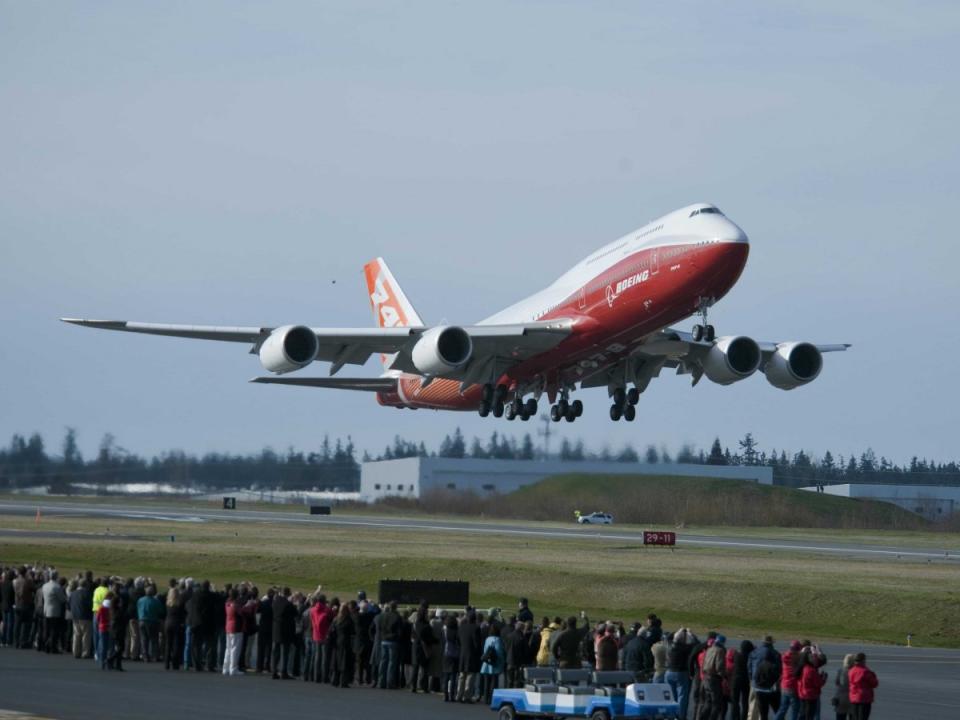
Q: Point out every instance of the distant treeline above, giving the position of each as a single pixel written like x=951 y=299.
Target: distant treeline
x=333 y=465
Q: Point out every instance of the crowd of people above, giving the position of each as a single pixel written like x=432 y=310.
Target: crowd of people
x=189 y=624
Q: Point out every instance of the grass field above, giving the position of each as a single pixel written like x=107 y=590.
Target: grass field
x=740 y=591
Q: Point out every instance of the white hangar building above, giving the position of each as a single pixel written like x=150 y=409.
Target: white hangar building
x=411 y=477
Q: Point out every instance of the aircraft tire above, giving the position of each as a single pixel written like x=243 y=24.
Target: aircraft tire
x=615 y=412
x=577 y=407
x=498 y=409
x=629 y=413
x=530 y=407
x=619 y=396
x=633 y=396
x=709 y=334
x=484 y=408
x=555 y=413
x=697 y=333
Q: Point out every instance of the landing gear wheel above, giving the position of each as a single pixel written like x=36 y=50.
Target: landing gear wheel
x=629 y=413
x=619 y=396
x=563 y=405
x=709 y=333
x=498 y=409
x=500 y=393
x=577 y=407
x=524 y=416
x=484 y=408
x=530 y=407
x=510 y=411
x=570 y=416
x=697 y=333
x=615 y=412
x=633 y=396
x=486 y=395
x=555 y=413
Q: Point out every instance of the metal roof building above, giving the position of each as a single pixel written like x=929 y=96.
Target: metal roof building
x=934 y=502
x=411 y=477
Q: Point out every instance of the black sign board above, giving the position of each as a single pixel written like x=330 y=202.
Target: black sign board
x=229 y=503
x=319 y=509
x=446 y=593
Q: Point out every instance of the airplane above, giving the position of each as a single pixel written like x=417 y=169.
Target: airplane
x=606 y=322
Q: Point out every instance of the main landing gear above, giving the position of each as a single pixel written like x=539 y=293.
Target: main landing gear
x=494 y=400
x=566 y=410
x=703 y=331
x=624 y=404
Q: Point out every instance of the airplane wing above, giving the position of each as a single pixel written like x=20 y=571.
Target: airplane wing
x=378 y=384
x=494 y=346
x=674 y=349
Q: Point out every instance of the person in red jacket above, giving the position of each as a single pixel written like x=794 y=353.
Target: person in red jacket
x=790 y=664
x=321 y=617
x=809 y=685
x=863 y=681
x=234 y=632
x=103 y=629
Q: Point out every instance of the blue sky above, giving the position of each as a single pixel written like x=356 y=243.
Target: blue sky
x=232 y=163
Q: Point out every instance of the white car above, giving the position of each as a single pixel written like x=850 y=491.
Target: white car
x=595 y=518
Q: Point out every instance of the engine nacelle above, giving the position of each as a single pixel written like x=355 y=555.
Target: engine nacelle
x=442 y=349
x=731 y=359
x=290 y=347
x=793 y=364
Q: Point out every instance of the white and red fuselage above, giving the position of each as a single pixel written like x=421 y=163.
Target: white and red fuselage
x=615 y=298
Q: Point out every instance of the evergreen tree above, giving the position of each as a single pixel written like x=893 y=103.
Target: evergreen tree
x=716 y=454
x=628 y=455
x=71 y=453
x=526 y=449
x=748 y=449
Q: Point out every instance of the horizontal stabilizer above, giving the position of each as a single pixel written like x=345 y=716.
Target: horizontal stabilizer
x=379 y=384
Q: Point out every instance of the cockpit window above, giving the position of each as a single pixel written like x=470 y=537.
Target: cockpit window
x=706 y=211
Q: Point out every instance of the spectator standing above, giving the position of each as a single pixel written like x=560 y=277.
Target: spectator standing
x=104 y=623
x=233 y=627
x=423 y=648
x=283 y=632
x=790 y=669
x=81 y=608
x=810 y=682
x=607 y=649
x=566 y=648
x=841 y=694
x=678 y=663
x=320 y=619
x=863 y=681
x=659 y=652
x=740 y=682
x=265 y=631
x=7 y=607
x=388 y=629
x=150 y=613
x=346 y=629
x=493 y=662
x=714 y=673
x=119 y=612
x=23 y=600
x=451 y=658
x=470 y=652
x=54 y=602
x=765 y=668
x=524 y=614
x=173 y=628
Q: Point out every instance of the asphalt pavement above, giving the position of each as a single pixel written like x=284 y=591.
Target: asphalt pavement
x=837 y=548
x=914 y=683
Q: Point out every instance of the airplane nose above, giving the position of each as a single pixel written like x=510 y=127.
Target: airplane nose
x=731 y=233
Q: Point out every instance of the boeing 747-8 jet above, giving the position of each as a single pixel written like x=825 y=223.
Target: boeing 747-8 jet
x=607 y=322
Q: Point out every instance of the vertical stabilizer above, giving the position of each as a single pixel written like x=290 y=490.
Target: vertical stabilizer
x=390 y=305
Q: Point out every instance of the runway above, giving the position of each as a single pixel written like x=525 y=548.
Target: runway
x=512 y=528
x=913 y=683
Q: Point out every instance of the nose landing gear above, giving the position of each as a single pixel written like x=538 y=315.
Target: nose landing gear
x=703 y=331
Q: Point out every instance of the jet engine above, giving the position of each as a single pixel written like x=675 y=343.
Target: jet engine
x=442 y=349
x=290 y=347
x=793 y=364
x=731 y=359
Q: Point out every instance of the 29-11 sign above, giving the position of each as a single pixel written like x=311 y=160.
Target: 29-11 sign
x=651 y=537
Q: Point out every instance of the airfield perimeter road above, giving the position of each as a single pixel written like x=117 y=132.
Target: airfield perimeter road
x=914 y=683
x=837 y=548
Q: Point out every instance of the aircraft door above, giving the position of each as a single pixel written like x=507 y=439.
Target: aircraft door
x=582 y=298
x=655 y=261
